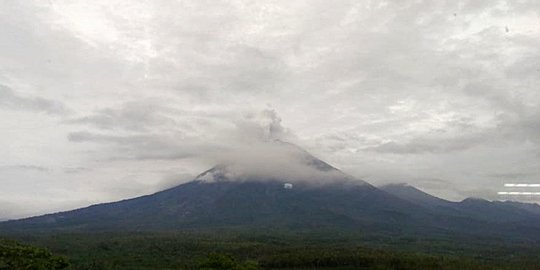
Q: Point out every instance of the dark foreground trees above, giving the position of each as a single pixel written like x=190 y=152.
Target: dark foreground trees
x=251 y=251
x=15 y=256
x=216 y=261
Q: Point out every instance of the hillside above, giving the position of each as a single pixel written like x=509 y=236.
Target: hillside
x=233 y=196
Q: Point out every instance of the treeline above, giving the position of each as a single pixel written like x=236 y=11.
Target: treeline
x=239 y=252
x=346 y=259
x=364 y=259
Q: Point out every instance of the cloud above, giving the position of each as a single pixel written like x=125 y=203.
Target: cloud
x=10 y=99
x=273 y=161
x=138 y=146
x=134 y=115
x=509 y=176
x=25 y=168
x=386 y=91
x=75 y=170
x=429 y=145
x=166 y=140
x=250 y=145
x=264 y=125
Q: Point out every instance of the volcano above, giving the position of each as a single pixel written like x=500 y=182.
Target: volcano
x=297 y=193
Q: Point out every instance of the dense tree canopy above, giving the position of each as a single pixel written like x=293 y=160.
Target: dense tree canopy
x=15 y=256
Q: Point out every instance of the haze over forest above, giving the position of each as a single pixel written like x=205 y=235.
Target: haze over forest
x=108 y=100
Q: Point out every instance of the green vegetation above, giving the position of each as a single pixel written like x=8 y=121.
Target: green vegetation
x=216 y=261
x=256 y=250
x=15 y=256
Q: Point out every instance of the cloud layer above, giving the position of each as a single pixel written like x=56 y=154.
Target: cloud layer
x=114 y=99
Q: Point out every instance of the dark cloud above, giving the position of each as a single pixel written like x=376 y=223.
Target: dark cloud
x=145 y=143
x=74 y=170
x=10 y=99
x=25 y=168
x=135 y=116
x=139 y=146
x=429 y=145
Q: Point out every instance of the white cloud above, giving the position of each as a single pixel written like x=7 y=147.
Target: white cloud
x=137 y=92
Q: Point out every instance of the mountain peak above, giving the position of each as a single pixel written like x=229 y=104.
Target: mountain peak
x=474 y=200
x=276 y=161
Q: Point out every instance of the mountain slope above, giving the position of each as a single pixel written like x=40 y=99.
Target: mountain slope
x=529 y=207
x=256 y=204
x=249 y=194
x=414 y=195
x=472 y=208
x=253 y=195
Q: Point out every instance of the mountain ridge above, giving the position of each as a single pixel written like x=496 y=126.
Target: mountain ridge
x=228 y=197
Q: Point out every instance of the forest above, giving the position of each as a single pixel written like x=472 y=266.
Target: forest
x=257 y=250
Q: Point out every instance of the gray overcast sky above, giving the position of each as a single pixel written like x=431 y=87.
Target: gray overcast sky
x=103 y=100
